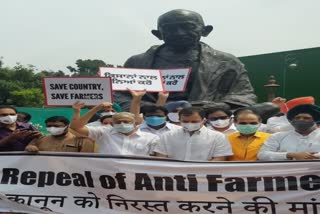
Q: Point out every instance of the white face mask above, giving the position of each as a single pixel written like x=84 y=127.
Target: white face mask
x=8 y=119
x=124 y=128
x=56 y=130
x=174 y=117
x=191 y=126
x=220 y=123
x=108 y=113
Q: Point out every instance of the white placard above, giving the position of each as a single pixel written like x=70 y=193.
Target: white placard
x=134 y=79
x=175 y=80
x=64 y=91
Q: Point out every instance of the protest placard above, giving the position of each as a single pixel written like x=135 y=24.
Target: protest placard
x=134 y=79
x=64 y=91
x=175 y=80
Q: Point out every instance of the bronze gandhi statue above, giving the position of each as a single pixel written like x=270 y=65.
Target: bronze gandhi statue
x=216 y=78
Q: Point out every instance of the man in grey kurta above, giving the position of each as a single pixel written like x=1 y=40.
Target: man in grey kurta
x=216 y=77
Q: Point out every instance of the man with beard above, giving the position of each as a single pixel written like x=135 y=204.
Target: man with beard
x=302 y=143
x=216 y=78
x=193 y=141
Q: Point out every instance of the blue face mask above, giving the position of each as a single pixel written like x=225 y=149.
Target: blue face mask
x=155 y=120
x=247 y=129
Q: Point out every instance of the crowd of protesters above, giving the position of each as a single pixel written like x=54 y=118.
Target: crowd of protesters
x=175 y=130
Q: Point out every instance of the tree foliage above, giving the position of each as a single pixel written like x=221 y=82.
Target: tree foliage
x=27 y=97
x=87 y=67
x=5 y=88
x=1 y=62
x=22 y=86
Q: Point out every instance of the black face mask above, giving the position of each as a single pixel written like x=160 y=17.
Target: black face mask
x=302 y=125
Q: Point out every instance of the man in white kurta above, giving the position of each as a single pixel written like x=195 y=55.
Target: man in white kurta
x=155 y=121
x=281 y=123
x=193 y=141
x=111 y=141
x=122 y=139
x=302 y=143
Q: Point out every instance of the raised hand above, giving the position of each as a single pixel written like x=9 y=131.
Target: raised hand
x=279 y=101
x=163 y=94
x=162 y=98
x=105 y=105
x=78 y=105
x=137 y=93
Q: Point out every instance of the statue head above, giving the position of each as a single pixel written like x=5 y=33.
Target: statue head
x=181 y=28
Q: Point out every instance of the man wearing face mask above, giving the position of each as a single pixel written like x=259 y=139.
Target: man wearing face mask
x=246 y=142
x=193 y=141
x=173 y=110
x=60 y=138
x=106 y=120
x=122 y=139
x=220 y=120
x=155 y=120
x=302 y=143
x=14 y=136
x=281 y=123
x=23 y=117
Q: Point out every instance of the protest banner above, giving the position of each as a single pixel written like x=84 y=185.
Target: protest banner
x=64 y=91
x=175 y=80
x=133 y=78
x=85 y=183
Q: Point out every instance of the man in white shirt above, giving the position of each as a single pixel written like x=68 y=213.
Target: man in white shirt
x=121 y=139
x=302 y=143
x=155 y=120
x=220 y=120
x=281 y=123
x=193 y=141
x=173 y=110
